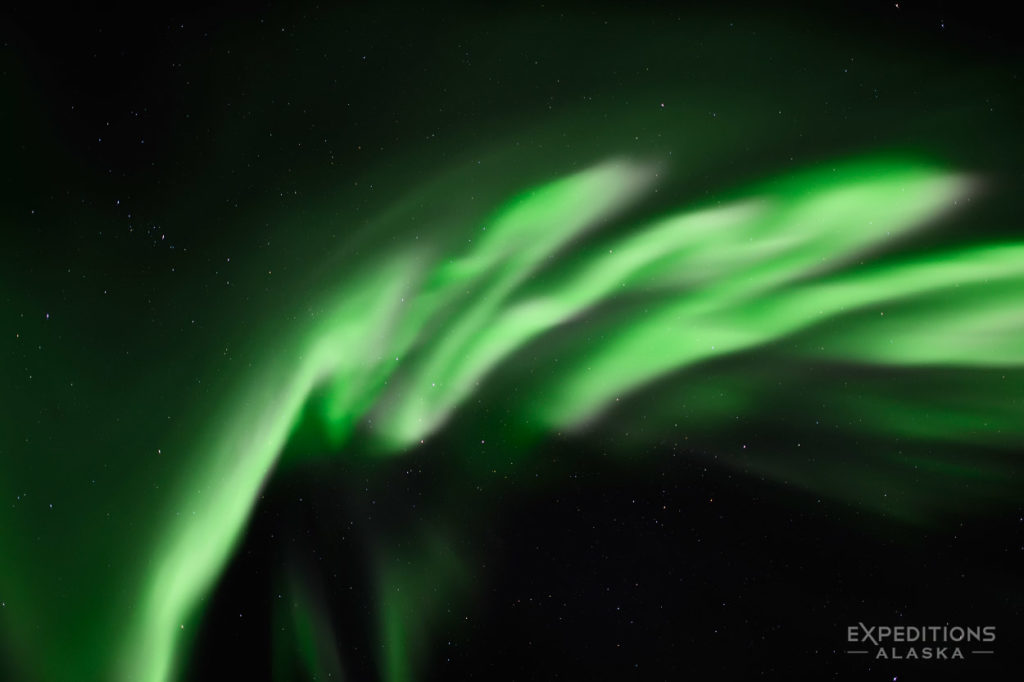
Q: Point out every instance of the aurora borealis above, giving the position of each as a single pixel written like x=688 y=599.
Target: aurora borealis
x=310 y=330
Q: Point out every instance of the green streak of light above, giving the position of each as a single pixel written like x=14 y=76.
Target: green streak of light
x=407 y=344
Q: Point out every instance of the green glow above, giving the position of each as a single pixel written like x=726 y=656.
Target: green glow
x=303 y=631
x=636 y=234
x=737 y=296
x=416 y=590
x=476 y=286
x=406 y=344
x=240 y=456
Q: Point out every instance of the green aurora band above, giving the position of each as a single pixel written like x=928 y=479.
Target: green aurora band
x=624 y=269
x=407 y=342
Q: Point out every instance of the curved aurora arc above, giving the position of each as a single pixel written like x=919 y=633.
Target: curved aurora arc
x=409 y=340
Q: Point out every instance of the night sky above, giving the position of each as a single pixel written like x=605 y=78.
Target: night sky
x=573 y=341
